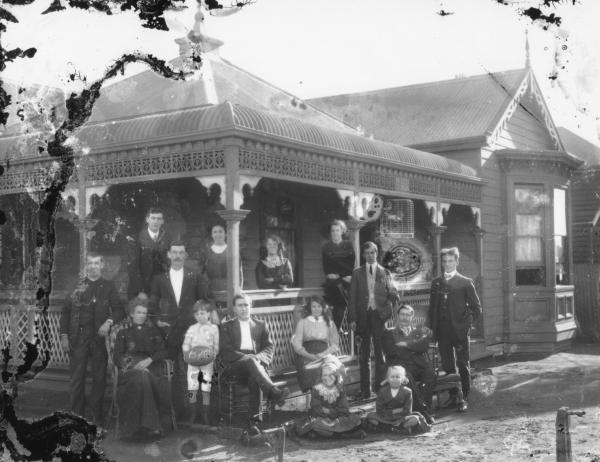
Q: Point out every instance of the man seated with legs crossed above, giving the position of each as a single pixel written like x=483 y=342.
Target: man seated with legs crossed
x=405 y=345
x=246 y=349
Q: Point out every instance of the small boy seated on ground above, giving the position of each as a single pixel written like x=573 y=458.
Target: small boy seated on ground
x=393 y=408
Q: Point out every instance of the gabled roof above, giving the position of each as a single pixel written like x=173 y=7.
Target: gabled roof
x=206 y=121
x=468 y=108
x=583 y=148
x=148 y=93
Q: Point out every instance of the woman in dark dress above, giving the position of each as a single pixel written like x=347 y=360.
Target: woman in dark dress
x=274 y=271
x=215 y=259
x=315 y=337
x=143 y=389
x=338 y=263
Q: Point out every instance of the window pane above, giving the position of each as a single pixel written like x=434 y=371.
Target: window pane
x=560 y=212
x=530 y=199
x=529 y=225
x=528 y=249
x=530 y=276
x=560 y=258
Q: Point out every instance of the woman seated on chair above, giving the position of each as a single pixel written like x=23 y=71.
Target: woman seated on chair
x=143 y=387
x=316 y=337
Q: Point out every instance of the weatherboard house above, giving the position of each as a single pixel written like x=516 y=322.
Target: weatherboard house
x=473 y=162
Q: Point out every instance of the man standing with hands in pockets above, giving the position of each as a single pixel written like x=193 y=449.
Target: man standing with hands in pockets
x=372 y=295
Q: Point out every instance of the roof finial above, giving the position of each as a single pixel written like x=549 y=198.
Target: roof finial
x=196 y=42
x=527 y=57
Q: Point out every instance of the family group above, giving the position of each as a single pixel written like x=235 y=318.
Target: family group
x=172 y=316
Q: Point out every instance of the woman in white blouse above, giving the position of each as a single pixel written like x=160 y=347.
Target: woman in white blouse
x=316 y=337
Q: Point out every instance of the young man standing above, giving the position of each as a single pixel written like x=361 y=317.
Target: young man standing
x=372 y=295
x=85 y=321
x=453 y=307
x=149 y=255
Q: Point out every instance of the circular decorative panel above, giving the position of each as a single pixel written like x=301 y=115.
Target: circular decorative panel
x=403 y=260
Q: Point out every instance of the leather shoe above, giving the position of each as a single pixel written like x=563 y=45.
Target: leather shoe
x=428 y=417
x=278 y=395
x=462 y=407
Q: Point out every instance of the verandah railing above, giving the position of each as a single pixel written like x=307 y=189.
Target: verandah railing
x=24 y=322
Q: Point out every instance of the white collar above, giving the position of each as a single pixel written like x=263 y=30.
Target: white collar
x=179 y=271
x=450 y=275
x=244 y=322
x=317 y=319
x=152 y=234
x=218 y=248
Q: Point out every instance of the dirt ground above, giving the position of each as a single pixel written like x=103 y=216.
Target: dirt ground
x=511 y=417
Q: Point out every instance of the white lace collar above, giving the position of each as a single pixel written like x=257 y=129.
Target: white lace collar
x=310 y=317
x=329 y=394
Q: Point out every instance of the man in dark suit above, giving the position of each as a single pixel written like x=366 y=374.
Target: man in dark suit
x=453 y=306
x=246 y=350
x=372 y=295
x=149 y=256
x=84 y=323
x=172 y=297
x=405 y=345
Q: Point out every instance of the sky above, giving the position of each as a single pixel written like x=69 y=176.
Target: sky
x=315 y=48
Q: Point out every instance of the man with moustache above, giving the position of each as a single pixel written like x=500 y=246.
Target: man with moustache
x=172 y=297
x=85 y=321
x=406 y=345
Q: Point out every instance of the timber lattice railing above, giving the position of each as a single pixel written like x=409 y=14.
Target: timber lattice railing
x=24 y=322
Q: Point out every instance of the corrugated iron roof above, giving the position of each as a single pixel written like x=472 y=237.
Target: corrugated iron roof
x=459 y=108
x=207 y=119
x=148 y=92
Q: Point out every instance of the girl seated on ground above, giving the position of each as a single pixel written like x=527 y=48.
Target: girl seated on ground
x=393 y=408
x=329 y=413
x=200 y=347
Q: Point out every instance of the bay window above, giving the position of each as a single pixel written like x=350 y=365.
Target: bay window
x=530 y=203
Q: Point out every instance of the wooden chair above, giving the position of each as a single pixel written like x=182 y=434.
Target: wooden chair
x=113 y=410
x=444 y=383
x=233 y=398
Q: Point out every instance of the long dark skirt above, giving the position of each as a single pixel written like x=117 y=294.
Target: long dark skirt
x=143 y=400
x=307 y=378
x=325 y=426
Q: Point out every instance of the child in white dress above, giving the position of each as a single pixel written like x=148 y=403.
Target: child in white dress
x=206 y=334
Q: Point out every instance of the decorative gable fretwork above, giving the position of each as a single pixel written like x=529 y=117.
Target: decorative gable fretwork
x=527 y=95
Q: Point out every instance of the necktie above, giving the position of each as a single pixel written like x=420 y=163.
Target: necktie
x=371 y=270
